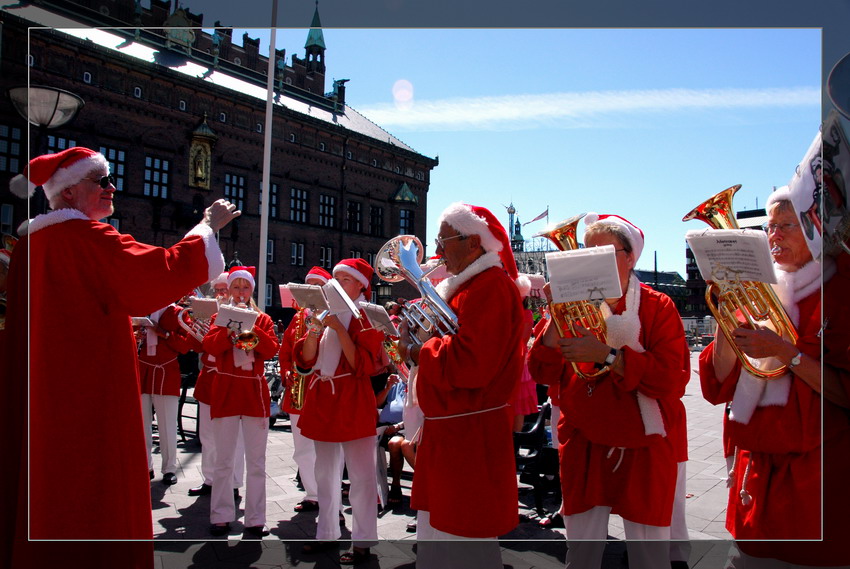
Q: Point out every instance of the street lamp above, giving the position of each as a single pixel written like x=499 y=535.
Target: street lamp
x=45 y=107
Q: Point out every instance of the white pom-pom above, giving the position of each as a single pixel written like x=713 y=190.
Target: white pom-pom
x=590 y=218
x=21 y=187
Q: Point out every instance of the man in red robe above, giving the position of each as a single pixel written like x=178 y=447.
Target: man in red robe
x=464 y=384
x=74 y=284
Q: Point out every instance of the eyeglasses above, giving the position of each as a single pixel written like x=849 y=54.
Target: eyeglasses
x=440 y=241
x=105 y=182
x=785 y=227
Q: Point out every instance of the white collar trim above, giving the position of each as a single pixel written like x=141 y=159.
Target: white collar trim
x=54 y=217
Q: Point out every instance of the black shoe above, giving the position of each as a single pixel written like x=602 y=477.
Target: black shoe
x=169 y=479
x=411 y=527
x=318 y=546
x=679 y=565
x=219 y=530
x=151 y=473
x=307 y=506
x=257 y=531
x=236 y=495
x=356 y=556
x=202 y=490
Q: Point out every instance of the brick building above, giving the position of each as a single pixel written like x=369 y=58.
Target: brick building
x=180 y=114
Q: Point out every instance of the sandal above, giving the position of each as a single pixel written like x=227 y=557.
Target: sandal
x=394 y=497
x=307 y=506
x=318 y=546
x=552 y=521
x=356 y=556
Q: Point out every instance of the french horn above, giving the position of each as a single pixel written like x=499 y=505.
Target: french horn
x=569 y=315
x=399 y=260
x=755 y=301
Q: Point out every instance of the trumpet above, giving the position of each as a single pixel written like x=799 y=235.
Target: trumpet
x=399 y=260
x=568 y=315
x=756 y=301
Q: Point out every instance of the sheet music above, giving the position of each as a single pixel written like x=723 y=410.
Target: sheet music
x=286 y=298
x=732 y=254
x=338 y=300
x=203 y=308
x=141 y=321
x=236 y=319
x=379 y=318
x=583 y=274
x=309 y=296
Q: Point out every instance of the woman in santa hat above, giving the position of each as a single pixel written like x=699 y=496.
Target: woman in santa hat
x=340 y=413
x=304 y=451
x=240 y=398
x=622 y=434
x=781 y=429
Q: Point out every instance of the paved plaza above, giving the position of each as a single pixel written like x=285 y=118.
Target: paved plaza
x=181 y=522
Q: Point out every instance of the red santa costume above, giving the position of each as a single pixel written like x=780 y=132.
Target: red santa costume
x=203 y=395
x=782 y=429
x=89 y=274
x=621 y=436
x=340 y=414
x=463 y=385
x=240 y=398
x=159 y=374
x=304 y=451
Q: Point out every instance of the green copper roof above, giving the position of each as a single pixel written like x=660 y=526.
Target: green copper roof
x=404 y=194
x=315 y=36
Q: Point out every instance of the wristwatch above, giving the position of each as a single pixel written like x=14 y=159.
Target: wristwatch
x=612 y=355
x=795 y=361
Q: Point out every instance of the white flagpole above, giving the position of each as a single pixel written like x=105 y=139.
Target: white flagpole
x=267 y=159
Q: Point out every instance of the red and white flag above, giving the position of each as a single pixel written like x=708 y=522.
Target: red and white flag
x=541 y=216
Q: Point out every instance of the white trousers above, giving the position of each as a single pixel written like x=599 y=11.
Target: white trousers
x=593 y=525
x=680 y=545
x=255 y=433
x=304 y=456
x=554 y=420
x=166 y=422
x=208 y=450
x=359 y=456
x=437 y=549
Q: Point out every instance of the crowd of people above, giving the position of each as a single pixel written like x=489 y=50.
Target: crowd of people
x=445 y=403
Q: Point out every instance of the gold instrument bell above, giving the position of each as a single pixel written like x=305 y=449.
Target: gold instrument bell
x=754 y=301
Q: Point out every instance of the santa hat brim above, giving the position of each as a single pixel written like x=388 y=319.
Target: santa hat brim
x=461 y=217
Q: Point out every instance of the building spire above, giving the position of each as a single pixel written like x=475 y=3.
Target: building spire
x=315 y=38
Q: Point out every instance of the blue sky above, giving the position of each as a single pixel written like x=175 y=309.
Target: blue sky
x=645 y=123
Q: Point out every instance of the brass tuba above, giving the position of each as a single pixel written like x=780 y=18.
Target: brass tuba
x=399 y=260
x=754 y=300
x=567 y=314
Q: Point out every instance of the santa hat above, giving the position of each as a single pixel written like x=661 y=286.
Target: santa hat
x=634 y=234
x=360 y=270
x=799 y=193
x=318 y=273
x=55 y=172
x=220 y=279
x=247 y=273
x=474 y=220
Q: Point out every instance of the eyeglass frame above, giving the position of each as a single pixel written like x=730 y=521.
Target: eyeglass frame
x=439 y=241
x=785 y=227
x=104 y=182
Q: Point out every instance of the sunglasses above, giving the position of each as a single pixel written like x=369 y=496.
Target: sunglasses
x=105 y=182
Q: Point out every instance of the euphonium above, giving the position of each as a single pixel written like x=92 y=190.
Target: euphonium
x=398 y=260
x=298 y=379
x=567 y=314
x=753 y=300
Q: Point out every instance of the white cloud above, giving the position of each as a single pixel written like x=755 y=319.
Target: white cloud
x=576 y=110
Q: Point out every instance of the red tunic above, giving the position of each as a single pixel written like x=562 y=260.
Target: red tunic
x=159 y=374
x=92 y=279
x=343 y=409
x=782 y=447
x=606 y=457
x=239 y=391
x=475 y=370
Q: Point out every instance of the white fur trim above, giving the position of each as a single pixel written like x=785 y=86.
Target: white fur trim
x=624 y=330
x=52 y=218
x=523 y=284
x=461 y=217
x=21 y=187
x=361 y=278
x=447 y=288
x=67 y=177
x=241 y=274
x=215 y=260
